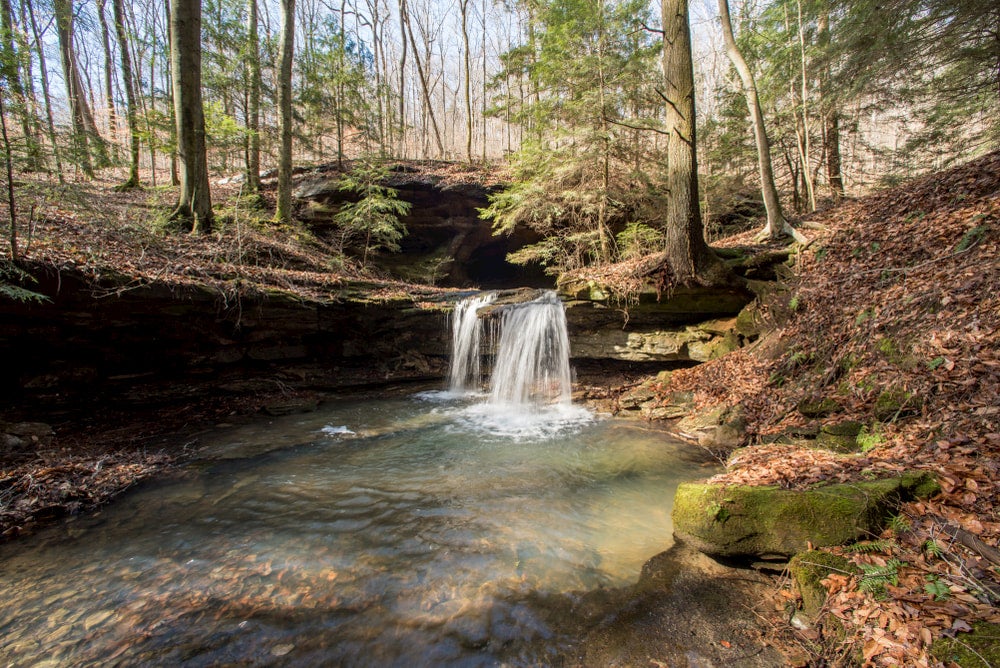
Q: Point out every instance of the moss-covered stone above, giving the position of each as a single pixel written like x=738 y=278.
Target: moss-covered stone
x=750 y=321
x=816 y=407
x=743 y=522
x=808 y=570
x=840 y=437
x=896 y=403
x=978 y=649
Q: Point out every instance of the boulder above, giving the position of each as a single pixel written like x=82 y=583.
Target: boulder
x=743 y=522
x=840 y=437
x=720 y=428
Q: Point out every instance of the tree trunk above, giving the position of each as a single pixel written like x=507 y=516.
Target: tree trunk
x=130 y=103
x=776 y=226
x=253 y=103
x=109 y=71
x=285 y=52
x=466 y=58
x=421 y=74
x=688 y=258
x=9 y=164
x=84 y=129
x=810 y=190
x=831 y=118
x=194 y=206
x=12 y=75
x=46 y=94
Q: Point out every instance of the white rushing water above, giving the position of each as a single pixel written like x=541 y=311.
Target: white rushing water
x=532 y=362
x=466 y=334
x=530 y=384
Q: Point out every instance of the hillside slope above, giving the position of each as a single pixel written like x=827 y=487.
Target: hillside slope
x=893 y=322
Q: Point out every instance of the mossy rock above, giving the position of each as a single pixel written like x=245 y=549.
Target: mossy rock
x=840 y=437
x=978 y=649
x=808 y=570
x=818 y=407
x=750 y=321
x=743 y=522
x=896 y=403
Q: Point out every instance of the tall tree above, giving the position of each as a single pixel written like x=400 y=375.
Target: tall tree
x=253 y=98
x=10 y=58
x=777 y=225
x=46 y=95
x=85 y=135
x=194 y=205
x=688 y=257
x=109 y=69
x=467 y=78
x=285 y=120
x=130 y=98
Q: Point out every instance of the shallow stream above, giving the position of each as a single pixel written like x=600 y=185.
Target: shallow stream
x=416 y=531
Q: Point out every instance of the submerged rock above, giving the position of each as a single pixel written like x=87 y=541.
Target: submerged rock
x=742 y=522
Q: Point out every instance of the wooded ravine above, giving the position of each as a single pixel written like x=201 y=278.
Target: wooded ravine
x=772 y=228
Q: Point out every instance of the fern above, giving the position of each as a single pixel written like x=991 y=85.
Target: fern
x=933 y=548
x=937 y=588
x=874 y=579
x=873 y=546
x=899 y=524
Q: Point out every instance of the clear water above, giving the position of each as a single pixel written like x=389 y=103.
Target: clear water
x=402 y=532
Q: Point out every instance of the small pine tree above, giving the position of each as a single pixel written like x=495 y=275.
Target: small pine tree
x=376 y=215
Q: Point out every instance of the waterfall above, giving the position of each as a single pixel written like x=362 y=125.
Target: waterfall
x=531 y=364
x=466 y=332
x=532 y=359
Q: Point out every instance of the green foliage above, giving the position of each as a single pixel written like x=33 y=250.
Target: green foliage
x=10 y=275
x=637 y=240
x=933 y=548
x=793 y=304
x=937 y=588
x=864 y=316
x=873 y=546
x=375 y=217
x=899 y=524
x=874 y=579
x=936 y=362
x=971 y=238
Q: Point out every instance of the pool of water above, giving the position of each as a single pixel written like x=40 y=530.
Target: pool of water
x=415 y=531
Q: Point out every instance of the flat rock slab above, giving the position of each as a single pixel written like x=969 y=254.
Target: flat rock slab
x=743 y=522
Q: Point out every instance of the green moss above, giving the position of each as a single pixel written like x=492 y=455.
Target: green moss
x=895 y=403
x=979 y=649
x=839 y=437
x=769 y=522
x=818 y=407
x=808 y=570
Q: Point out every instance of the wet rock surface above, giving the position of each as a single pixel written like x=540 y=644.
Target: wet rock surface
x=686 y=610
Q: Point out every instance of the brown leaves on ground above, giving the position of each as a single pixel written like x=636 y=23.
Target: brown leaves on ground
x=898 y=297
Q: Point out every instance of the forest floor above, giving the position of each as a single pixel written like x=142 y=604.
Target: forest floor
x=896 y=300
x=899 y=292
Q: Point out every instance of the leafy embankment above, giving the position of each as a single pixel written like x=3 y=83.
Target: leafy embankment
x=893 y=322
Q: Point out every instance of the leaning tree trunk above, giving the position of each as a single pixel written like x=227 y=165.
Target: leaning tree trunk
x=777 y=226
x=689 y=258
x=130 y=102
x=284 y=212
x=194 y=205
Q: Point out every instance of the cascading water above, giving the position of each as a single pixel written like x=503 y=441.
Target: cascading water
x=530 y=384
x=532 y=360
x=466 y=332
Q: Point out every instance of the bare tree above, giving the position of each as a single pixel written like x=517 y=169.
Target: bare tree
x=130 y=103
x=194 y=206
x=253 y=98
x=777 y=225
x=285 y=53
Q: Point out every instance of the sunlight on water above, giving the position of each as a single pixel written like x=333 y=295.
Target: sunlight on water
x=407 y=532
